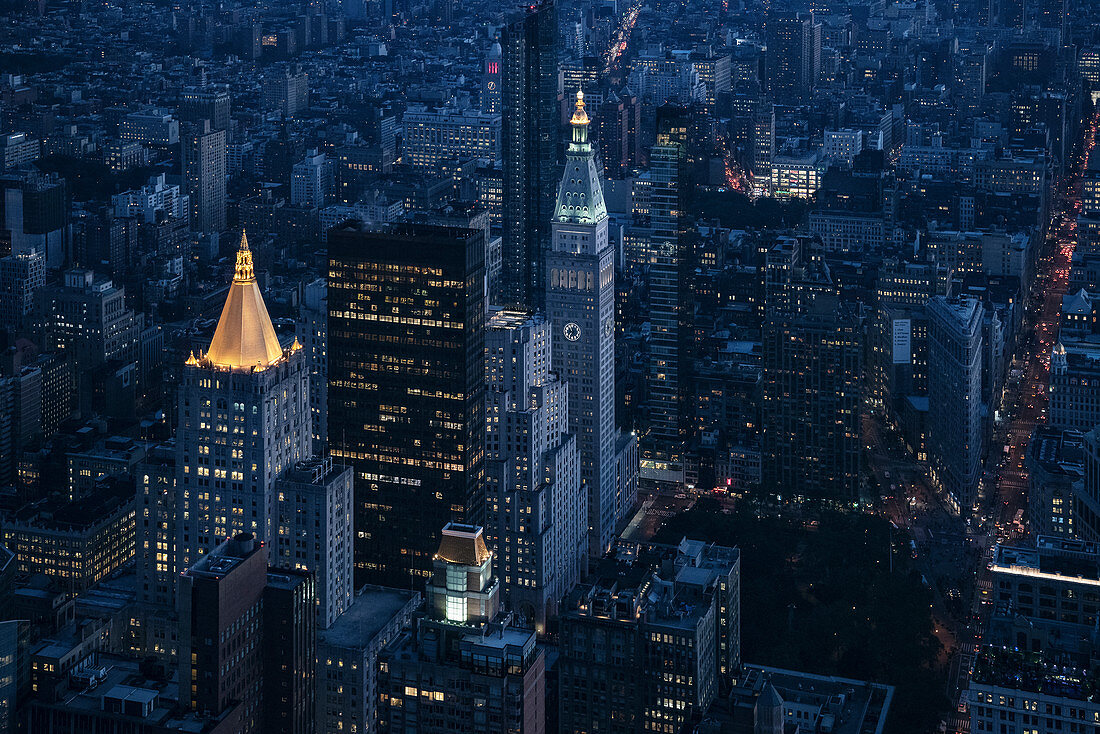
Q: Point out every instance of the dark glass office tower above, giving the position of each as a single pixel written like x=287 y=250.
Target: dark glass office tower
x=813 y=375
x=531 y=139
x=793 y=57
x=406 y=387
x=669 y=302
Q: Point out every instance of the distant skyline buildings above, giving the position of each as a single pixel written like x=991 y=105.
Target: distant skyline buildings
x=799 y=272
x=202 y=152
x=793 y=56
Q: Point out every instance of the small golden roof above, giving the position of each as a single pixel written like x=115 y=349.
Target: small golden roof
x=244 y=338
x=463 y=545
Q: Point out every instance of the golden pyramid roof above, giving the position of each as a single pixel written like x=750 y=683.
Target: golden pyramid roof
x=244 y=338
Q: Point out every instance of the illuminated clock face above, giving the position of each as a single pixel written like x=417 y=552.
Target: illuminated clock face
x=491 y=86
x=572 y=331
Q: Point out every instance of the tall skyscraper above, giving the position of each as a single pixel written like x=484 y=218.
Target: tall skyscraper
x=311 y=332
x=156 y=531
x=813 y=364
x=530 y=129
x=203 y=156
x=662 y=444
x=244 y=419
x=793 y=45
x=206 y=103
x=21 y=277
x=763 y=147
x=580 y=303
x=536 y=507
x=221 y=613
x=955 y=396
x=406 y=386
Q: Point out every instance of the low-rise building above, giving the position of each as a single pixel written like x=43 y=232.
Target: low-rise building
x=650 y=641
x=1055 y=462
x=77 y=542
x=1074 y=379
x=347 y=657
x=770 y=700
x=1046 y=597
x=1031 y=694
x=464 y=666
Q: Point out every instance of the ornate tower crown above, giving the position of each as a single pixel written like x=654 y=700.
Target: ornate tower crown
x=580 y=120
x=244 y=338
x=580 y=195
x=244 y=271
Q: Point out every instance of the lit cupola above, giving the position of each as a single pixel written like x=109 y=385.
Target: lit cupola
x=245 y=338
x=580 y=196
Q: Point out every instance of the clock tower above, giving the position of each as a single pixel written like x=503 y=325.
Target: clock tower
x=490 y=80
x=580 y=301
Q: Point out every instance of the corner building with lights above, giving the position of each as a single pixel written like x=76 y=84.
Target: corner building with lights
x=465 y=666
x=536 y=508
x=406 y=339
x=244 y=419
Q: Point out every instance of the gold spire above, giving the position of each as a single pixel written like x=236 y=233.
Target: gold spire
x=244 y=270
x=579 y=122
x=580 y=117
x=245 y=338
x=191 y=360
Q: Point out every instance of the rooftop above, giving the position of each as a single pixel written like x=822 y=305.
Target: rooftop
x=223 y=559
x=1059 y=452
x=509 y=318
x=371 y=610
x=1029 y=672
x=62 y=515
x=841 y=705
x=315 y=471
x=463 y=545
x=1051 y=557
x=125 y=691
